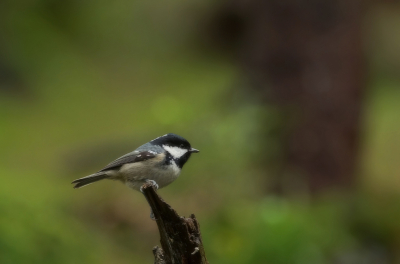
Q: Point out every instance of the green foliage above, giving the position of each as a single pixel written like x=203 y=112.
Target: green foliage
x=278 y=231
x=34 y=227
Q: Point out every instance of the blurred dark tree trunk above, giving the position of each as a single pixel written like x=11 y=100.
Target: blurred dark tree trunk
x=307 y=56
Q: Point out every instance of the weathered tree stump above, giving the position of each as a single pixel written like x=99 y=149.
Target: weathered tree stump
x=179 y=236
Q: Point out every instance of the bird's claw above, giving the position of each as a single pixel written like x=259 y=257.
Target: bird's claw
x=153 y=183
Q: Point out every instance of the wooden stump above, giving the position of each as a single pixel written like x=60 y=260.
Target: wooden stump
x=179 y=236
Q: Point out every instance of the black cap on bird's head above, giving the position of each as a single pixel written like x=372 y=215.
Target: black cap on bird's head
x=173 y=140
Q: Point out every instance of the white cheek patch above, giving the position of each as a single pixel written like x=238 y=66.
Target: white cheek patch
x=176 y=152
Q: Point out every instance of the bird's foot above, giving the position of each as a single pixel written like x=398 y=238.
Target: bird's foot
x=153 y=183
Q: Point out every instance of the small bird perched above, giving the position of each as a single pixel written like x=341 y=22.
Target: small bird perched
x=159 y=161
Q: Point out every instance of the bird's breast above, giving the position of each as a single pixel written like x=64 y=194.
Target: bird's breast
x=166 y=174
x=155 y=169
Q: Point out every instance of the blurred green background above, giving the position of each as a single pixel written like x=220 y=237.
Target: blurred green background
x=84 y=82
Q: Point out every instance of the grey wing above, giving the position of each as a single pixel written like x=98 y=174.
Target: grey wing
x=135 y=156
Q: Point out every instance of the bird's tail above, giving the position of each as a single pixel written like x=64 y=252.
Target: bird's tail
x=90 y=179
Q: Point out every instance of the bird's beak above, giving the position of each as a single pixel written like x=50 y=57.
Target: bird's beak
x=193 y=150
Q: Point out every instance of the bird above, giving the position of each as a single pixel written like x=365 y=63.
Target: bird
x=159 y=162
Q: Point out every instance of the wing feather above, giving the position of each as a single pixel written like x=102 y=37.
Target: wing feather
x=132 y=157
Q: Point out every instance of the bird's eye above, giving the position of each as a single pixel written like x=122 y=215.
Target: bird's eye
x=181 y=146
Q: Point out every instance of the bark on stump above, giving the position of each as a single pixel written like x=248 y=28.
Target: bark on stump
x=179 y=236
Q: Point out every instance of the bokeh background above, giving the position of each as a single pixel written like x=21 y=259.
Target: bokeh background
x=293 y=104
